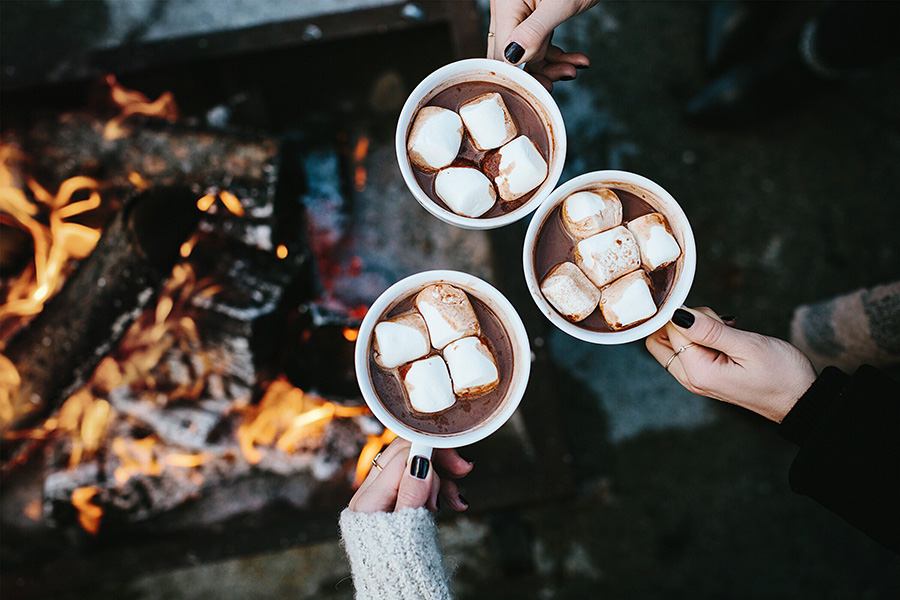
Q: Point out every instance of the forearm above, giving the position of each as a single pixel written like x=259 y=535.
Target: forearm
x=394 y=555
x=848 y=430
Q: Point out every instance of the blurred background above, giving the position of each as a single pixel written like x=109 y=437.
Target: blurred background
x=180 y=415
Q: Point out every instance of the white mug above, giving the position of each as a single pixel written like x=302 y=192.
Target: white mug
x=508 y=76
x=660 y=200
x=423 y=443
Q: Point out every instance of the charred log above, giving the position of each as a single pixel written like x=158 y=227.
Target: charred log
x=78 y=326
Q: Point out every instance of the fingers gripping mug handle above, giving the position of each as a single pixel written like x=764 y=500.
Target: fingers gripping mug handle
x=420 y=449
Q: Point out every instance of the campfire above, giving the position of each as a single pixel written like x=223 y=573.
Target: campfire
x=169 y=242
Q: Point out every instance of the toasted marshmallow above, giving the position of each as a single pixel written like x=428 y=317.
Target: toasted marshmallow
x=627 y=300
x=448 y=314
x=465 y=190
x=517 y=168
x=608 y=255
x=570 y=292
x=657 y=244
x=473 y=369
x=435 y=138
x=401 y=340
x=428 y=385
x=488 y=121
x=588 y=213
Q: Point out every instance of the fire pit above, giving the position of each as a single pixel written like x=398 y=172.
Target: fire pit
x=183 y=275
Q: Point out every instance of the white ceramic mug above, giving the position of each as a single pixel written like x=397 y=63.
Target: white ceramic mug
x=660 y=200
x=508 y=76
x=423 y=443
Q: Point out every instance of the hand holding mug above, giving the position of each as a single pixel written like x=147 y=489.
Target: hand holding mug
x=758 y=372
x=521 y=30
x=410 y=481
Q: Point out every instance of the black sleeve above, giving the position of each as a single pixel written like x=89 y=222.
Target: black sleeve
x=848 y=430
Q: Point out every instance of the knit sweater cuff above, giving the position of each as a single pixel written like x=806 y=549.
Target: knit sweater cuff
x=808 y=410
x=394 y=555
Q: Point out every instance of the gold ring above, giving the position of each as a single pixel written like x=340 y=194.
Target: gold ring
x=490 y=34
x=375 y=462
x=677 y=352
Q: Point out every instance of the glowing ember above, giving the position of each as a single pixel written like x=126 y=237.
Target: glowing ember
x=34 y=509
x=281 y=251
x=138 y=181
x=232 y=203
x=135 y=103
x=136 y=456
x=206 y=202
x=285 y=416
x=89 y=514
x=351 y=334
x=359 y=155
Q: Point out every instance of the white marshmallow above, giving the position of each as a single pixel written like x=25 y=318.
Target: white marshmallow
x=570 y=292
x=434 y=138
x=588 y=213
x=627 y=300
x=517 y=168
x=448 y=314
x=488 y=121
x=473 y=369
x=400 y=340
x=428 y=385
x=465 y=190
x=608 y=255
x=657 y=244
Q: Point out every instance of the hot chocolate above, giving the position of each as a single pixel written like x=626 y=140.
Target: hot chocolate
x=471 y=406
x=527 y=122
x=556 y=245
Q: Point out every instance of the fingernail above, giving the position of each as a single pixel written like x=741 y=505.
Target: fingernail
x=683 y=318
x=728 y=317
x=566 y=78
x=419 y=467
x=467 y=460
x=463 y=500
x=582 y=66
x=514 y=52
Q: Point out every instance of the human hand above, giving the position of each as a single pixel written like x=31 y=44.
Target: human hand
x=760 y=373
x=398 y=485
x=522 y=30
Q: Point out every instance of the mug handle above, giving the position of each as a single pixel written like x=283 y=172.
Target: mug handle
x=420 y=449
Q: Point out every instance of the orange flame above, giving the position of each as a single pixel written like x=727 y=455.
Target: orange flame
x=89 y=514
x=351 y=334
x=285 y=416
x=132 y=102
x=368 y=453
x=359 y=155
x=281 y=251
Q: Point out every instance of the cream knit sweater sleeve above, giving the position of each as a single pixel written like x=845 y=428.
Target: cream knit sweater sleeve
x=394 y=555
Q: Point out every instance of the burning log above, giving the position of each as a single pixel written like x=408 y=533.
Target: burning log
x=65 y=342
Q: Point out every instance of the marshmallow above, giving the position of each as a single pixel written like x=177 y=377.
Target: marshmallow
x=588 y=213
x=465 y=190
x=435 y=138
x=488 y=121
x=448 y=314
x=627 y=300
x=608 y=255
x=401 y=340
x=517 y=168
x=473 y=369
x=428 y=385
x=658 y=246
x=570 y=292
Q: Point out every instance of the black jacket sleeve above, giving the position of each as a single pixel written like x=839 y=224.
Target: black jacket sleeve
x=848 y=430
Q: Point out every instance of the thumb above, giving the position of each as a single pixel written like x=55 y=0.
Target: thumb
x=528 y=37
x=704 y=330
x=415 y=486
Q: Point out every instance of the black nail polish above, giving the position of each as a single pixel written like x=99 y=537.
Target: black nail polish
x=419 y=467
x=582 y=66
x=463 y=500
x=566 y=78
x=683 y=318
x=514 y=52
x=728 y=317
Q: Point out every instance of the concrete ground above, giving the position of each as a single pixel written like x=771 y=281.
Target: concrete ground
x=678 y=496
